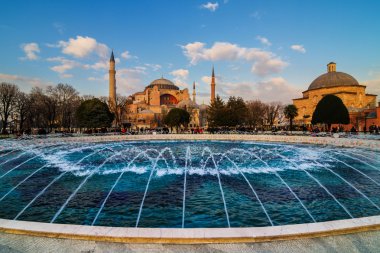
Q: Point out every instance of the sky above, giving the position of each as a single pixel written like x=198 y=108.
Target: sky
x=268 y=50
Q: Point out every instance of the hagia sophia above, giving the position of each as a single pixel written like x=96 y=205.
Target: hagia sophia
x=148 y=107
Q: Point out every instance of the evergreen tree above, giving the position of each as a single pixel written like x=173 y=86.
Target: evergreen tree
x=330 y=110
x=177 y=117
x=236 y=112
x=217 y=113
x=94 y=114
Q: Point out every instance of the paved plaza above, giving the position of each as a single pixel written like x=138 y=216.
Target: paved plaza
x=359 y=242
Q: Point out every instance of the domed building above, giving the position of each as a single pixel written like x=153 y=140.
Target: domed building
x=148 y=107
x=340 y=84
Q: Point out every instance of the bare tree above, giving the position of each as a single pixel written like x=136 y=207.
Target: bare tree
x=104 y=99
x=86 y=97
x=67 y=99
x=256 y=113
x=8 y=93
x=22 y=107
x=121 y=109
x=43 y=109
x=272 y=112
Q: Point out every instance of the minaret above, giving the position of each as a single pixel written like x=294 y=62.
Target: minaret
x=112 y=83
x=194 y=94
x=212 y=86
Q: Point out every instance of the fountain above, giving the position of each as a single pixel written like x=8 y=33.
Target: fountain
x=217 y=165
x=186 y=184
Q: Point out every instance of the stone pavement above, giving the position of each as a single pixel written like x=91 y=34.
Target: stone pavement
x=359 y=242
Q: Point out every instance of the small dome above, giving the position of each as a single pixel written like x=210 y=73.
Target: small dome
x=187 y=103
x=147 y=112
x=163 y=84
x=333 y=79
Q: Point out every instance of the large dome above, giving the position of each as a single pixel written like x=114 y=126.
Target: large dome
x=333 y=79
x=164 y=84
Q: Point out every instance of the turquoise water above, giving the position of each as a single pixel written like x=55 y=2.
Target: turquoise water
x=186 y=183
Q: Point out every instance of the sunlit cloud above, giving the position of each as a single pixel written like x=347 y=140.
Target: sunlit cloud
x=263 y=62
x=31 y=50
x=298 y=48
x=264 y=41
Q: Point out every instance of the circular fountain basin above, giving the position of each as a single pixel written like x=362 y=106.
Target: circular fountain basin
x=188 y=184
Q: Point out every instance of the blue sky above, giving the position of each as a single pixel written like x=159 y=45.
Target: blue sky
x=268 y=50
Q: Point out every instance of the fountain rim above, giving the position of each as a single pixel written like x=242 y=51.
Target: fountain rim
x=190 y=235
x=279 y=139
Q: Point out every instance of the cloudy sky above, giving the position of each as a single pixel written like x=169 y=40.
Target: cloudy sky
x=268 y=50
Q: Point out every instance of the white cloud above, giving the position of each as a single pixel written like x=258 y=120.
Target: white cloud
x=24 y=82
x=64 y=65
x=180 y=76
x=206 y=79
x=102 y=64
x=276 y=89
x=154 y=67
x=52 y=45
x=273 y=89
x=264 y=41
x=66 y=75
x=373 y=87
x=267 y=67
x=182 y=73
x=263 y=62
x=31 y=50
x=298 y=48
x=129 y=80
x=97 y=79
x=210 y=6
x=83 y=46
x=127 y=55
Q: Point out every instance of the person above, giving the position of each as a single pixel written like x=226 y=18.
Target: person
x=365 y=129
x=353 y=129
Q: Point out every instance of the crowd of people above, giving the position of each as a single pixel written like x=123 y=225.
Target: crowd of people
x=305 y=130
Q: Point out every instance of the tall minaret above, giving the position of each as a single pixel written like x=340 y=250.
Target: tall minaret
x=212 y=86
x=112 y=83
x=194 y=94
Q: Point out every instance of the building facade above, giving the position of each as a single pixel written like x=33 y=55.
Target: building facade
x=342 y=85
